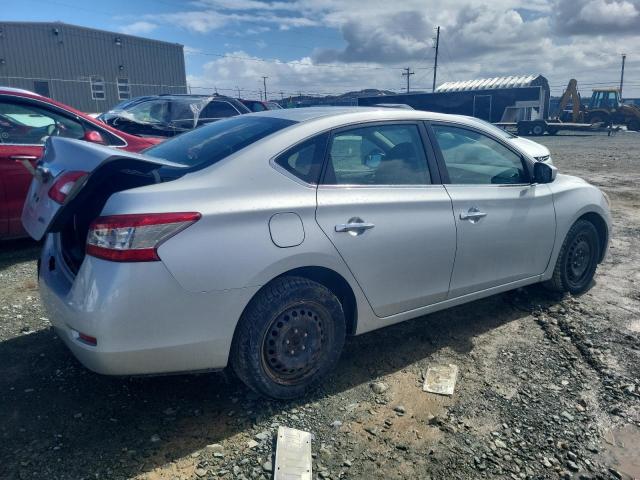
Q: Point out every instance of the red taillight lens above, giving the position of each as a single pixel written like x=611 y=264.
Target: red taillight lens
x=64 y=184
x=135 y=237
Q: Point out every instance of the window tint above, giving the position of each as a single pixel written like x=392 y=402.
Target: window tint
x=30 y=125
x=305 y=160
x=474 y=158
x=378 y=155
x=217 y=109
x=211 y=143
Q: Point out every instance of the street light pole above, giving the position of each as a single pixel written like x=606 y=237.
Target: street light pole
x=264 y=82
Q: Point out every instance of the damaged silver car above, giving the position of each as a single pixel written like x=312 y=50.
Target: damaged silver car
x=170 y=115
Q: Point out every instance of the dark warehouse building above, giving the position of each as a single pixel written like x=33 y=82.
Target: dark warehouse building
x=91 y=70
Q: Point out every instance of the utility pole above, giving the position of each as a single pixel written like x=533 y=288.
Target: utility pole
x=238 y=88
x=407 y=73
x=281 y=95
x=624 y=57
x=435 y=60
x=264 y=81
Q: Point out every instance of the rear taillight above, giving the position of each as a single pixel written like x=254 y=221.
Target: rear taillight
x=61 y=188
x=136 y=237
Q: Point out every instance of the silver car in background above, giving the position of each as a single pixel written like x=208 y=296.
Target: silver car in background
x=261 y=241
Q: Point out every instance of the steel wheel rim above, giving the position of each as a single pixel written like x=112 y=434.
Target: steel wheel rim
x=579 y=259
x=294 y=342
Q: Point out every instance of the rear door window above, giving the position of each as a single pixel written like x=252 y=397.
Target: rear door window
x=377 y=155
x=217 y=109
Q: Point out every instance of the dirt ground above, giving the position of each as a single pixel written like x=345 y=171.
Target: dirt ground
x=549 y=387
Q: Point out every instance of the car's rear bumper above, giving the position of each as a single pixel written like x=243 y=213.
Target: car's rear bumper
x=143 y=320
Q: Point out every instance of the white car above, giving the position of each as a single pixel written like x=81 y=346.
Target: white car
x=533 y=149
x=261 y=241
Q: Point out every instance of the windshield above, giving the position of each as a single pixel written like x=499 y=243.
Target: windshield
x=211 y=143
x=495 y=130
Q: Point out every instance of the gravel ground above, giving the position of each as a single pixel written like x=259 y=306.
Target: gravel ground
x=549 y=387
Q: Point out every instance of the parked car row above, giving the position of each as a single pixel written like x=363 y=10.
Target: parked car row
x=28 y=119
x=171 y=115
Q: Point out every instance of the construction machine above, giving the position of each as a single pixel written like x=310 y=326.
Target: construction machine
x=606 y=106
x=604 y=110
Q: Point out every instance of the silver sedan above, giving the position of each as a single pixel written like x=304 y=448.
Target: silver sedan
x=262 y=241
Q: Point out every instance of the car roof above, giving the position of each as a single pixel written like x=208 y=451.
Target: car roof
x=345 y=115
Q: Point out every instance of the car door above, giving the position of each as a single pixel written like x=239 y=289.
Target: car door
x=505 y=224
x=24 y=126
x=381 y=204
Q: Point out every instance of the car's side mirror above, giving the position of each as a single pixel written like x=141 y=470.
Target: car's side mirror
x=544 y=173
x=93 y=136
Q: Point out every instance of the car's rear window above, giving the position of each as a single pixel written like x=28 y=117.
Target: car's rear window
x=211 y=143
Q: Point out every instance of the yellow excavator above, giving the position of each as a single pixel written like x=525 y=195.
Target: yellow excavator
x=605 y=107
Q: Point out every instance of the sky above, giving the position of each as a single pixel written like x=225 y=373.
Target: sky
x=334 y=46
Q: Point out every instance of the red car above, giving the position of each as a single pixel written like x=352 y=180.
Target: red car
x=26 y=120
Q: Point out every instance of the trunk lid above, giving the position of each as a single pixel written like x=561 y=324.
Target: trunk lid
x=42 y=214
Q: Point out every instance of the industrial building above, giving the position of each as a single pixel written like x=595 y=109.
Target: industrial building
x=89 y=69
x=499 y=99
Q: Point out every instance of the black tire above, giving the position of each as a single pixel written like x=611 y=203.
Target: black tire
x=538 y=129
x=634 y=125
x=552 y=131
x=290 y=312
x=577 y=261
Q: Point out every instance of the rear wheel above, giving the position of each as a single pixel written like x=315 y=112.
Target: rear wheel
x=538 y=129
x=577 y=261
x=289 y=338
x=634 y=125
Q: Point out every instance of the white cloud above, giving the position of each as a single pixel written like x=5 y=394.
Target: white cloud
x=599 y=12
x=138 y=28
x=593 y=17
x=559 y=38
x=246 y=71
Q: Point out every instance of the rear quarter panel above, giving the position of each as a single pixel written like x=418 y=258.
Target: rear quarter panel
x=231 y=246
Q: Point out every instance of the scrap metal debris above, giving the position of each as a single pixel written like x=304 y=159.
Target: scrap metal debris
x=293 y=455
x=441 y=379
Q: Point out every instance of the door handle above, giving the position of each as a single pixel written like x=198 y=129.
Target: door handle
x=354 y=226
x=348 y=227
x=19 y=158
x=473 y=215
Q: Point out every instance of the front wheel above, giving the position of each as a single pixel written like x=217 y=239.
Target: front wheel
x=577 y=261
x=290 y=336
